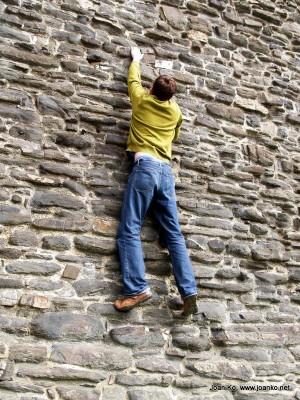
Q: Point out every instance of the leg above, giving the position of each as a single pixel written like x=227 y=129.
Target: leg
x=165 y=210
x=137 y=198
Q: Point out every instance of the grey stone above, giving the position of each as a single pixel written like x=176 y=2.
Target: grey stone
x=269 y=17
x=138 y=337
x=27 y=58
x=69 y=139
x=14 y=325
x=60 y=169
x=271 y=277
x=70 y=392
x=144 y=379
x=4 y=195
x=213 y=311
x=246 y=317
x=140 y=394
x=44 y=285
x=207 y=121
x=75 y=187
x=71 y=225
x=6 y=283
x=33 y=267
x=91 y=356
x=269 y=251
x=189 y=383
x=114 y=392
x=157 y=365
x=94 y=245
x=66 y=325
x=238 y=249
x=175 y=17
x=224 y=369
x=193 y=342
x=253 y=354
x=216 y=245
x=59 y=373
x=13 y=34
x=27 y=353
x=294 y=274
x=219 y=187
x=293 y=119
x=56 y=243
x=20 y=387
x=11 y=215
x=25 y=238
x=221 y=44
x=10 y=253
x=107 y=26
x=53 y=199
x=90 y=286
x=227 y=273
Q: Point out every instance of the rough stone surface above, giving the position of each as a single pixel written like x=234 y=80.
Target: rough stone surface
x=64 y=120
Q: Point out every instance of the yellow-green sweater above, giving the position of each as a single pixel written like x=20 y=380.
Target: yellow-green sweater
x=155 y=124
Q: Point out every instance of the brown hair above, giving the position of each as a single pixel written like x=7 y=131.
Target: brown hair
x=164 y=87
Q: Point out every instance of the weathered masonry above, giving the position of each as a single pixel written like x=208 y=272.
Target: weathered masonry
x=64 y=118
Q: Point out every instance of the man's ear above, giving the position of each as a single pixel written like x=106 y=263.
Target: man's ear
x=151 y=90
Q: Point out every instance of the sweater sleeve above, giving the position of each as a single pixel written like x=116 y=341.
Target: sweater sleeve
x=177 y=128
x=135 y=88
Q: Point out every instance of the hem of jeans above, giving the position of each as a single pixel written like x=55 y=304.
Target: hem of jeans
x=137 y=294
x=189 y=295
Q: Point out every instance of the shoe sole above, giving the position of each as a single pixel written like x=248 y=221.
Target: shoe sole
x=135 y=305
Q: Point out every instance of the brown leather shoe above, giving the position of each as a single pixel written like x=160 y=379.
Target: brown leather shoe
x=128 y=303
x=189 y=305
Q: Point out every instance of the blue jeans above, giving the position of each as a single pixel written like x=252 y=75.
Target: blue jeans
x=151 y=182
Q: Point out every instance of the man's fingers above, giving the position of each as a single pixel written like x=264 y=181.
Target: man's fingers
x=136 y=54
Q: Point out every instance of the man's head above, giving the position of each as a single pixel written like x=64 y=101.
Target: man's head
x=163 y=87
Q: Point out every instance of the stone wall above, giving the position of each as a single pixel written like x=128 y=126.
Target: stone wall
x=64 y=118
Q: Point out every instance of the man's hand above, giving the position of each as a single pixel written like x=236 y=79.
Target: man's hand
x=136 y=54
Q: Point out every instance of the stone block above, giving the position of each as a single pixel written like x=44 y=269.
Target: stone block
x=269 y=251
x=78 y=392
x=28 y=353
x=9 y=298
x=24 y=238
x=94 y=245
x=223 y=369
x=63 y=224
x=213 y=311
x=67 y=325
x=60 y=373
x=91 y=356
x=56 y=243
x=54 y=199
x=14 y=325
x=140 y=394
x=174 y=16
x=11 y=215
x=227 y=113
x=140 y=337
x=113 y=393
x=27 y=57
x=33 y=267
x=144 y=379
x=258 y=154
x=251 y=105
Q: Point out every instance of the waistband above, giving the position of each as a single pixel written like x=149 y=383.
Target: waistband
x=148 y=158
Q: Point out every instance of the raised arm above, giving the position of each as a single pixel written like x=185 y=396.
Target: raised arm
x=135 y=88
